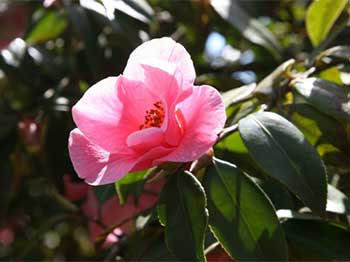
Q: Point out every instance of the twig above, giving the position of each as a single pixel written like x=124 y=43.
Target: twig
x=227 y=131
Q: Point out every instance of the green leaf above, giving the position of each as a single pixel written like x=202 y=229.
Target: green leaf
x=182 y=210
x=337 y=201
x=50 y=26
x=241 y=216
x=238 y=95
x=103 y=193
x=251 y=28
x=131 y=184
x=326 y=96
x=233 y=143
x=320 y=17
x=284 y=153
x=316 y=240
x=148 y=245
x=269 y=86
x=332 y=74
x=279 y=196
x=82 y=26
x=334 y=55
x=315 y=125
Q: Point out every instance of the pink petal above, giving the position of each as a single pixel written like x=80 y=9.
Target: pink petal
x=164 y=50
x=94 y=164
x=203 y=116
x=168 y=85
x=136 y=99
x=91 y=209
x=112 y=109
x=112 y=213
x=98 y=113
x=146 y=160
x=146 y=139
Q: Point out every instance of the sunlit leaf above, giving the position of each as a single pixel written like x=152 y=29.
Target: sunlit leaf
x=326 y=96
x=130 y=184
x=238 y=95
x=251 y=28
x=320 y=17
x=337 y=201
x=50 y=26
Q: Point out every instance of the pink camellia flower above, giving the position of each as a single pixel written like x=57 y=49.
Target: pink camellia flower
x=151 y=114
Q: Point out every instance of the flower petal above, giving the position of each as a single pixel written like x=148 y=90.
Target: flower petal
x=144 y=140
x=146 y=160
x=94 y=164
x=98 y=113
x=168 y=85
x=112 y=109
x=202 y=116
x=164 y=50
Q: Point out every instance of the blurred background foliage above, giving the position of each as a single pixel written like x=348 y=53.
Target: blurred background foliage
x=52 y=51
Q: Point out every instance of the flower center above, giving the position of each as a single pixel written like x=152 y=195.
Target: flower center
x=154 y=117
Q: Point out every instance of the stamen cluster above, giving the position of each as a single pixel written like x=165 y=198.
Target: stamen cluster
x=154 y=117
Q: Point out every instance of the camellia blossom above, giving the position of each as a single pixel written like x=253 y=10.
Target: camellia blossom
x=151 y=114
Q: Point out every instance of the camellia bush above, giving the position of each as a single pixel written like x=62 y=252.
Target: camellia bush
x=158 y=130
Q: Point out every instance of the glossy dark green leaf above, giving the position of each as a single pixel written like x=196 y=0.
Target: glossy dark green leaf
x=182 y=210
x=284 y=153
x=326 y=96
x=50 y=26
x=279 y=196
x=131 y=184
x=320 y=17
x=241 y=216
x=251 y=28
x=82 y=25
x=316 y=240
x=232 y=147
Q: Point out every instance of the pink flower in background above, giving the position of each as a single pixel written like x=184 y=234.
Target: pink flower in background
x=151 y=114
x=111 y=212
x=6 y=236
x=13 y=21
x=74 y=191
